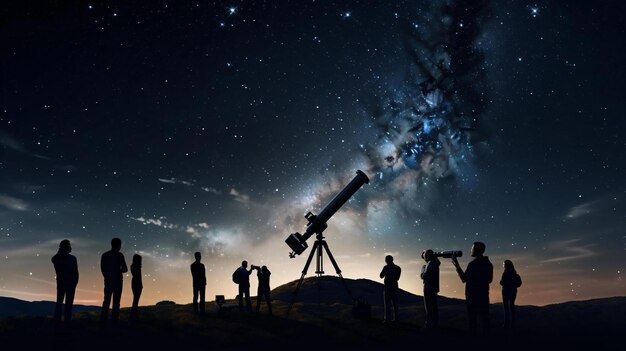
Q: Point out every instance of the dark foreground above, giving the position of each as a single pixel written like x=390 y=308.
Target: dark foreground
x=312 y=326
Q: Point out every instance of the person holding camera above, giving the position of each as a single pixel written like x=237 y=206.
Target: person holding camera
x=264 y=288
x=391 y=274
x=242 y=278
x=430 y=276
x=477 y=277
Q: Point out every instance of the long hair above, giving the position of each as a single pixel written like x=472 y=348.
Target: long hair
x=508 y=265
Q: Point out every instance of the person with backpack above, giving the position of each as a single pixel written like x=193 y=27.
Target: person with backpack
x=510 y=282
x=241 y=277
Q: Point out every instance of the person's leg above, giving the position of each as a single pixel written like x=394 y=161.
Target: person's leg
x=259 y=295
x=386 y=306
x=59 y=305
x=248 y=302
x=195 y=299
x=202 y=299
x=512 y=308
x=484 y=312
x=435 y=311
x=108 y=291
x=69 y=302
x=117 y=297
x=134 y=310
x=427 y=323
x=395 y=305
x=506 y=303
x=240 y=298
x=472 y=315
x=268 y=301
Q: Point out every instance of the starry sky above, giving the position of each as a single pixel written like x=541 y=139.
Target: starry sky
x=214 y=126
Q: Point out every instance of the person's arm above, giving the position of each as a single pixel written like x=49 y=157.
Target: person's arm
x=399 y=272
x=123 y=266
x=383 y=273
x=75 y=271
x=102 y=265
x=424 y=270
x=490 y=273
x=459 y=270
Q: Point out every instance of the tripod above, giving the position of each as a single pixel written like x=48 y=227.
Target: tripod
x=319 y=244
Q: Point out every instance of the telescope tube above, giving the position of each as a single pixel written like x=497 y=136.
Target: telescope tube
x=336 y=203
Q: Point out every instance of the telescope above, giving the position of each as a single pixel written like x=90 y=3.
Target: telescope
x=317 y=223
x=449 y=254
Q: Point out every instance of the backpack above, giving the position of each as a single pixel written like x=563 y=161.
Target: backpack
x=518 y=281
x=236 y=276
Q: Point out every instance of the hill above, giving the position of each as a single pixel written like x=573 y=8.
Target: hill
x=321 y=319
x=14 y=307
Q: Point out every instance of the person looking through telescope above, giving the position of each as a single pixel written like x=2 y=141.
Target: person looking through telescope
x=477 y=277
x=264 y=288
x=391 y=274
x=430 y=276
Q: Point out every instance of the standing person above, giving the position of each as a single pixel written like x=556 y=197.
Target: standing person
x=242 y=278
x=66 y=268
x=198 y=273
x=137 y=286
x=477 y=277
x=391 y=273
x=112 y=266
x=430 y=276
x=510 y=281
x=264 y=288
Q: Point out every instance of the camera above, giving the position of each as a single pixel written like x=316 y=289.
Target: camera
x=255 y=267
x=449 y=254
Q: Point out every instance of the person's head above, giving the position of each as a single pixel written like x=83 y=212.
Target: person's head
x=65 y=246
x=198 y=256
x=478 y=249
x=389 y=259
x=428 y=255
x=264 y=269
x=137 y=259
x=116 y=244
x=508 y=265
x=244 y=264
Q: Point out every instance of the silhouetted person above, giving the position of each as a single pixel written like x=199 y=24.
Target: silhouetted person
x=264 y=288
x=242 y=278
x=430 y=276
x=198 y=274
x=391 y=273
x=137 y=286
x=477 y=277
x=510 y=281
x=112 y=265
x=66 y=268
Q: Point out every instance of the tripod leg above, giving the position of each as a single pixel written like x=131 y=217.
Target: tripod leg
x=332 y=260
x=306 y=268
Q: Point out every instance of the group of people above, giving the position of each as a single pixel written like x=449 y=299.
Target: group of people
x=477 y=277
x=112 y=265
x=241 y=277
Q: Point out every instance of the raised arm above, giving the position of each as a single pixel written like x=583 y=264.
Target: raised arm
x=459 y=270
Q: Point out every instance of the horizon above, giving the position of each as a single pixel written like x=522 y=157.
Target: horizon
x=216 y=127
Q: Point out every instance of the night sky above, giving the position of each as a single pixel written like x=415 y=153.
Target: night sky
x=183 y=126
